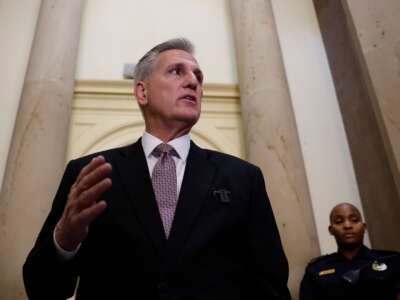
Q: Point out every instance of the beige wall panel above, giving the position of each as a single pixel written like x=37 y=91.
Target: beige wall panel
x=118 y=32
x=106 y=115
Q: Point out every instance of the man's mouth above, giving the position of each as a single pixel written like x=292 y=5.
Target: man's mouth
x=190 y=98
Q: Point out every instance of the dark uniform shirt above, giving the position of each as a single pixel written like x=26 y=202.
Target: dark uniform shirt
x=372 y=274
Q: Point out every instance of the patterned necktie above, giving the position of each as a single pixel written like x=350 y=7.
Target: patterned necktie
x=164 y=184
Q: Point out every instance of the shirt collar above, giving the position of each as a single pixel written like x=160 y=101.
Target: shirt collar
x=180 y=144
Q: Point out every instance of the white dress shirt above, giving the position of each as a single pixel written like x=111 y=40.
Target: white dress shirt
x=149 y=142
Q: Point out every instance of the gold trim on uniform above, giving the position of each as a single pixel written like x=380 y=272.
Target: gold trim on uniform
x=326 y=272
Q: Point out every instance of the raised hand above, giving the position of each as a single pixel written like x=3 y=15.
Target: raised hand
x=82 y=205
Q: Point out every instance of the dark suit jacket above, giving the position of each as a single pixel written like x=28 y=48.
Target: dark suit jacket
x=219 y=248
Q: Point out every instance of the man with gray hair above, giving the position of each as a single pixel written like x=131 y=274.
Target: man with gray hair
x=161 y=218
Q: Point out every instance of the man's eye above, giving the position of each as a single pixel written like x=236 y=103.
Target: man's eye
x=175 y=71
x=199 y=78
x=355 y=220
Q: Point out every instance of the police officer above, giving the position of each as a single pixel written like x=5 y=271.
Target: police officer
x=354 y=271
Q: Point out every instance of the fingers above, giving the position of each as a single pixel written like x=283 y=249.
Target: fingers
x=92 y=194
x=95 y=162
x=92 y=212
x=81 y=207
x=91 y=183
x=96 y=171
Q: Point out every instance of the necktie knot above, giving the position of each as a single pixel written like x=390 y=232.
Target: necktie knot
x=164 y=149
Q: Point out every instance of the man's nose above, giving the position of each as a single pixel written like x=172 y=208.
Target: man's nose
x=191 y=81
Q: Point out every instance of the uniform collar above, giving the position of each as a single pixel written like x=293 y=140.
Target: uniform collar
x=364 y=252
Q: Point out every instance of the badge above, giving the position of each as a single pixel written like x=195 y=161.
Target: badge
x=376 y=266
x=326 y=272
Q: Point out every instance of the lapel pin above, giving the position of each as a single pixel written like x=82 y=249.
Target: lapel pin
x=223 y=195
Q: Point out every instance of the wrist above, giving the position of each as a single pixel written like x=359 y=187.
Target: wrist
x=64 y=254
x=61 y=239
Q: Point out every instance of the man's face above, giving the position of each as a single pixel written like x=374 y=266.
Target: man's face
x=172 y=95
x=347 y=226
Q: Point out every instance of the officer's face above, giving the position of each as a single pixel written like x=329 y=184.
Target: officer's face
x=347 y=226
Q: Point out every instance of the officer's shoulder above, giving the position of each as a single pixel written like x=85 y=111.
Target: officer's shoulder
x=321 y=259
x=384 y=253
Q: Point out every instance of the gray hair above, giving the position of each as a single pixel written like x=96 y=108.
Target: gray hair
x=146 y=64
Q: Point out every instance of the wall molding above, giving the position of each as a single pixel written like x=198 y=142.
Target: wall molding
x=105 y=114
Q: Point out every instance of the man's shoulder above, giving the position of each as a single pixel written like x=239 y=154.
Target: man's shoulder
x=109 y=154
x=228 y=159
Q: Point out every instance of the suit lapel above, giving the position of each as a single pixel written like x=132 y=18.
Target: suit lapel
x=136 y=181
x=197 y=179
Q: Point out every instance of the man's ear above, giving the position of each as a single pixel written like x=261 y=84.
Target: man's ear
x=141 y=93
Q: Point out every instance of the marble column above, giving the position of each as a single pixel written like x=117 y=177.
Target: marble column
x=37 y=154
x=376 y=31
x=375 y=171
x=270 y=131
x=376 y=35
